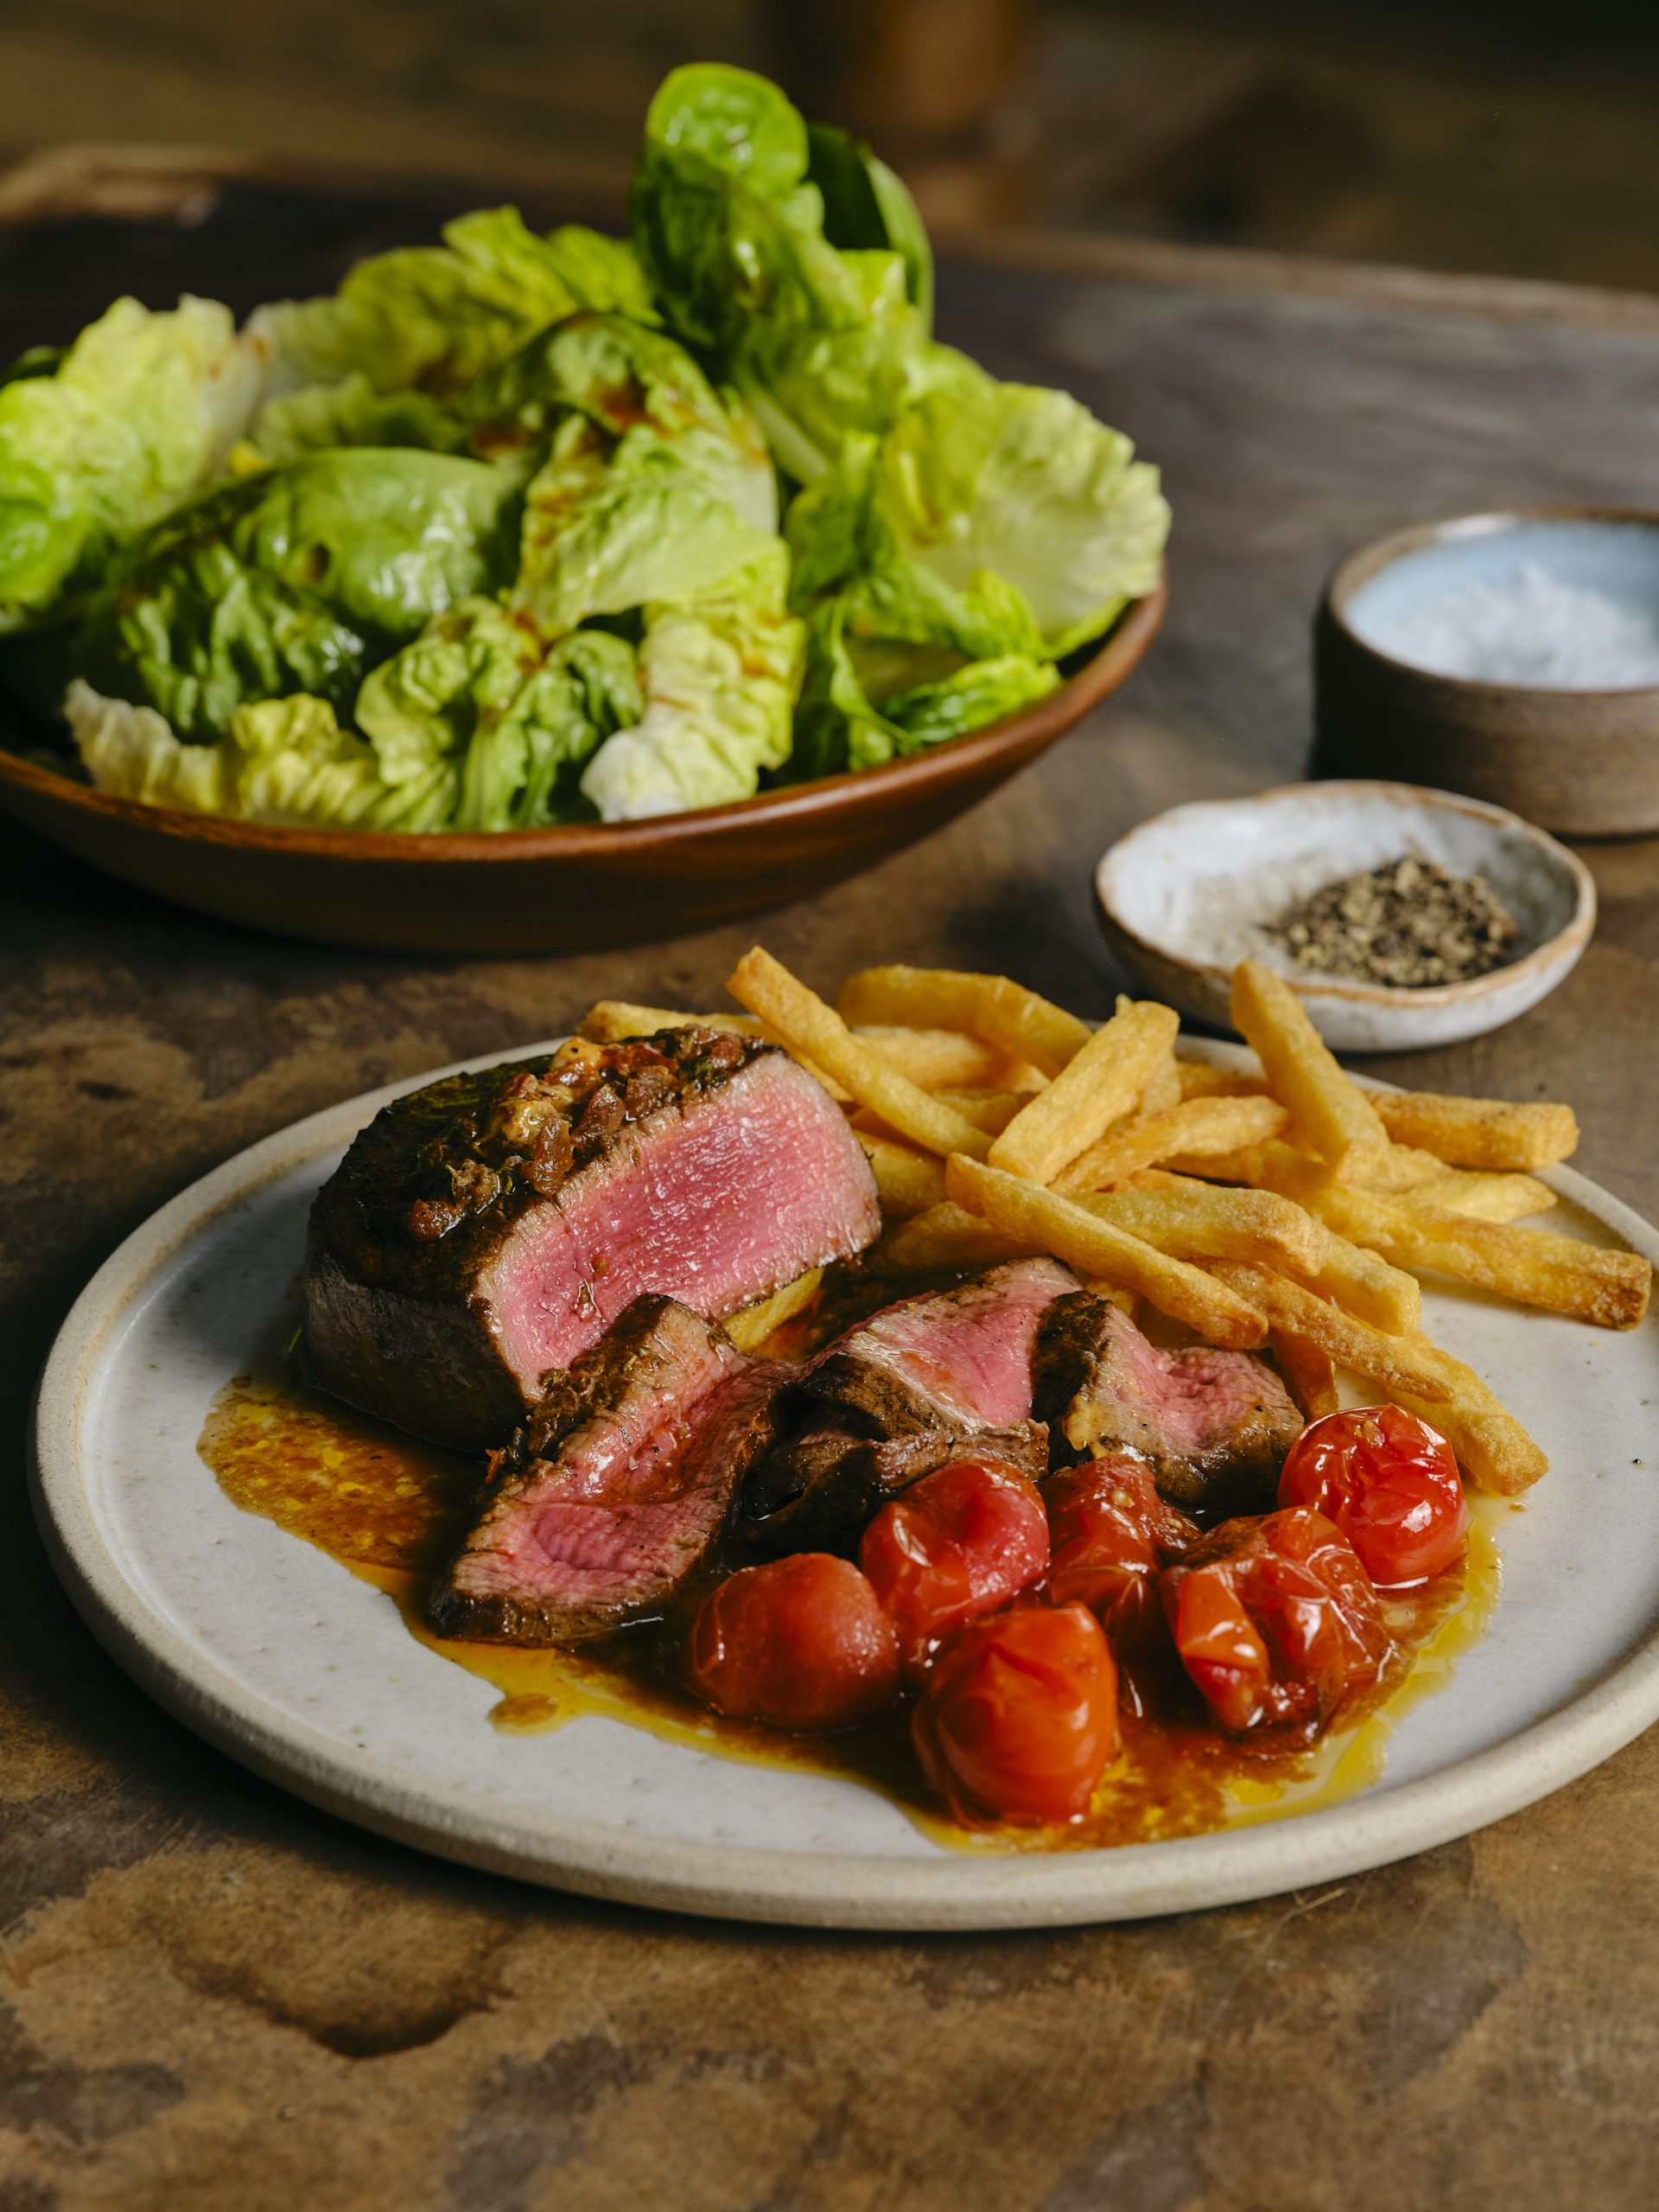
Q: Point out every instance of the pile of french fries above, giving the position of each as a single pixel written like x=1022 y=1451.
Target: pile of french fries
x=1291 y=1209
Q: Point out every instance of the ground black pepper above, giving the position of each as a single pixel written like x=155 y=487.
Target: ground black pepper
x=1407 y=924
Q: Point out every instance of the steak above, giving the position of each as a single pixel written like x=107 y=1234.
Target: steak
x=484 y=1232
x=1214 y=1426
x=819 y=1492
x=618 y=1488
x=958 y=1359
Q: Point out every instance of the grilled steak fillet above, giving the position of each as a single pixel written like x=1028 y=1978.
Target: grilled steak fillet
x=1214 y=1426
x=616 y=1489
x=958 y=1358
x=819 y=1491
x=486 y=1230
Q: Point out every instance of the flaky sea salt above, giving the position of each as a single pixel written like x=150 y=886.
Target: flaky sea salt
x=1537 y=631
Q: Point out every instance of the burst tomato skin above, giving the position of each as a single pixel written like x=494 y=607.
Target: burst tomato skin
x=960 y=1541
x=800 y=1643
x=1017 y=1720
x=1276 y=1621
x=1109 y=1535
x=1391 y=1482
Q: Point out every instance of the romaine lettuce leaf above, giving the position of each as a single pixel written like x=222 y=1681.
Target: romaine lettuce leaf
x=433 y=317
x=720 y=669
x=864 y=205
x=482 y=687
x=353 y=413
x=136 y=416
x=281 y=761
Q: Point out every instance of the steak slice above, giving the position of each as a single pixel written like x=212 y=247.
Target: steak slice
x=485 y=1231
x=1214 y=1426
x=618 y=1488
x=819 y=1491
x=958 y=1359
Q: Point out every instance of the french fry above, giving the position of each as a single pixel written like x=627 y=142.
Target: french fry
x=946 y=1235
x=1482 y=1197
x=1494 y=1451
x=1024 y=1210
x=1097 y=1086
x=937 y=1059
x=817 y=1033
x=1479 y=1132
x=1535 y=1267
x=906 y=1181
x=1204 y=1221
x=1401 y=1168
x=611 y=1020
x=1332 y=1112
x=925 y=998
x=952 y=998
x=755 y=1323
x=1392 y=1363
x=1310 y=1373
x=1199 y=1080
x=1163 y=1087
x=1196 y=1127
x=1027 y=1026
x=990 y=1110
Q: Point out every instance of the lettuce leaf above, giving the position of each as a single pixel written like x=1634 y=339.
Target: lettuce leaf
x=521 y=717
x=720 y=669
x=866 y=205
x=295 y=579
x=353 y=413
x=281 y=761
x=432 y=318
x=136 y=416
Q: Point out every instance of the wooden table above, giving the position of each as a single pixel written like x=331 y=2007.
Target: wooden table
x=213 y=1997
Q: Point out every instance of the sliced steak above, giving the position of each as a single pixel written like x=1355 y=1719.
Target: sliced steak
x=618 y=1488
x=485 y=1231
x=958 y=1358
x=818 y=1492
x=1214 y=1426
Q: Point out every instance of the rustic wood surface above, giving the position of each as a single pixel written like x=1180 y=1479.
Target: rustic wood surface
x=211 y=1996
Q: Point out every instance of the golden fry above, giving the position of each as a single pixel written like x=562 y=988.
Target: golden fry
x=924 y=998
x=755 y=1323
x=818 y=1034
x=1204 y=1221
x=946 y=1235
x=1310 y=1373
x=1095 y=1246
x=1097 y=1086
x=1479 y=1132
x=987 y=1007
x=937 y=1059
x=1390 y=1362
x=1197 y=1127
x=1482 y=1197
x=1199 y=1080
x=1163 y=1087
x=1401 y=1168
x=1335 y=1116
x=611 y=1020
x=1495 y=1452
x=990 y=1110
x=907 y=1181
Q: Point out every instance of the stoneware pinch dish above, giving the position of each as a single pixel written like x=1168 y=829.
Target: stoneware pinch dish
x=1186 y=896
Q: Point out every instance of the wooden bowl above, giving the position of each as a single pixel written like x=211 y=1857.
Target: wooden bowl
x=562 y=890
x=1583 y=763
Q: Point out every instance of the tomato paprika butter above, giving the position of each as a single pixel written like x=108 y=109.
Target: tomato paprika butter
x=1017 y=1720
x=957 y=1543
x=1110 y=1534
x=1276 y=1621
x=1391 y=1482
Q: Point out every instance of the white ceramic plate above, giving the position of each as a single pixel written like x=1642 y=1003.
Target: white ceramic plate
x=284 y=1659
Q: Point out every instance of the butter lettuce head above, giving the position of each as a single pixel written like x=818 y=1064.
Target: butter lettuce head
x=519 y=717
x=720 y=669
x=352 y=413
x=867 y=206
x=295 y=580
x=135 y=417
x=431 y=318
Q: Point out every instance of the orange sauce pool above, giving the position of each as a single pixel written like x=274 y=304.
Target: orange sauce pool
x=390 y=1508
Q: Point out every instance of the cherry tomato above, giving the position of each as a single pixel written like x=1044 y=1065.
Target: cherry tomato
x=1018 y=1717
x=1276 y=1620
x=801 y=1642
x=966 y=1538
x=1110 y=1534
x=1391 y=1484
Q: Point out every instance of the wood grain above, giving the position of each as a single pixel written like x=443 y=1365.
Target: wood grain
x=211 y=1996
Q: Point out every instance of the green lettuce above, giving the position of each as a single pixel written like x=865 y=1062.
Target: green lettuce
x=352 y=413
x=136 y=416
x=521 y=717
x=866 y=205
x=720 y=669
x=280 y=761
x=295 y=580
x=431 y=318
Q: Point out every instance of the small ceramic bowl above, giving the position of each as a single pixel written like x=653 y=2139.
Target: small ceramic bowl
x=1583 y=762
x=1185 y=897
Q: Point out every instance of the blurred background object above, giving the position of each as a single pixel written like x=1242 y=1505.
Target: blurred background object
x=1508 y=136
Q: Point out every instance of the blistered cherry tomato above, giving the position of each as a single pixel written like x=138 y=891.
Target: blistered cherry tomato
x=1018 y=1717
x=1276 y=1620
x=801 y=1642
x=1110 y=1534
x=1391 y=1484
x=959 y=1542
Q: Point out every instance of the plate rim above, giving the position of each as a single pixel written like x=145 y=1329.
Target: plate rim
x=949 y=1892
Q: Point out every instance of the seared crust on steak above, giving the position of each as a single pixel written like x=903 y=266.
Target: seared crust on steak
x=819 y=1492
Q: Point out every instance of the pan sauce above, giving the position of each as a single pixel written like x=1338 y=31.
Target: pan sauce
x=390 y=1508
